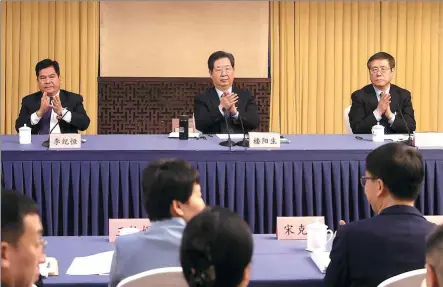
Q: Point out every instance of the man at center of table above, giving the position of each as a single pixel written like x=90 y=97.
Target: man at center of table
x=224 y=100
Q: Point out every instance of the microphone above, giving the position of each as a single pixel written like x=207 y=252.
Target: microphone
x=46 y=142
x=229 y=142
x=409 y=141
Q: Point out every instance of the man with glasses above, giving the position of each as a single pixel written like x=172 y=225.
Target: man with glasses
x=21 y=240
x=41 y=111
x=381 y=102
x=434 y=258
x=224 y=100
x=366 y=252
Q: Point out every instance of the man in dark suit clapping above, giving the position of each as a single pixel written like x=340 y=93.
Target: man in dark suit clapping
x=367 y=252
x=381 y=101
x=42 y=110
x=224 y=100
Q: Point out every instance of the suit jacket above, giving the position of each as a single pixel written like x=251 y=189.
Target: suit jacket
x=209 y=119
x=367 y=252
x=157 y=247
x=72 y=102
x=39 y=283
x=364 y=102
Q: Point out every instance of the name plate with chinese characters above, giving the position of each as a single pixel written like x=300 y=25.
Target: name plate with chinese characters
x=295 y=228
x=264 y=140
x=436 y=219
x=58 y=141
x=116 y=224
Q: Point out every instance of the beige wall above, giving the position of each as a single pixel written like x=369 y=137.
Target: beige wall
x=174 y=39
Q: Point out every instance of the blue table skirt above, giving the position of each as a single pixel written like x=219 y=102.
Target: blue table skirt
x=78 y=197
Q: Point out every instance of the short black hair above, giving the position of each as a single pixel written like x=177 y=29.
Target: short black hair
x=382 y=56
x=219 y=55
x=15 y=206
x=434 y=250
x=216 y=248
x=46 y=63
x=400 y=167
x=166 y=180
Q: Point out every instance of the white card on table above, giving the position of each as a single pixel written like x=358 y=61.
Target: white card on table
x=264 y=140
x=60 y=141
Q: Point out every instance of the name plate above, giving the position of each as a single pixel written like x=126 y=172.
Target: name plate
x=295 y=228
x=115 y=225
x=428 y=139
x=264 y=140
x=58 y=141
x=437 y=219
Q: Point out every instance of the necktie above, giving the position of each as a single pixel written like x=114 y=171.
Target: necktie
x=45 y=122
x=226 y=128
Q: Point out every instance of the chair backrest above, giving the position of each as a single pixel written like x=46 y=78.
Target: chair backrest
x=408 y=279
x=160 y=277
x=346 y=120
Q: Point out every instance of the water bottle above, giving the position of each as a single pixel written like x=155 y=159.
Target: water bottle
x=183 y=133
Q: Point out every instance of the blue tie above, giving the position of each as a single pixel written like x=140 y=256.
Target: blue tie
x=45 y=122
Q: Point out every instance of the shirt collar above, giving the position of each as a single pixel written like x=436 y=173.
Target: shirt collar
x=220 y=93
x=57 y=94
x=378 y=92
x=168 y=222
x=401 y=209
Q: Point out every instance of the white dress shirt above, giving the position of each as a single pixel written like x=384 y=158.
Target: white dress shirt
x=35 y=119
x=376 y=115
x=220 y=93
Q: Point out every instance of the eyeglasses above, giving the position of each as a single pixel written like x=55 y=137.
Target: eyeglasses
x=382 y=70
x=221 y=70
x=363 y=179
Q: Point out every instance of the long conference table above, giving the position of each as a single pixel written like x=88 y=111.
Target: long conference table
x=275 y=263
x=313 y=175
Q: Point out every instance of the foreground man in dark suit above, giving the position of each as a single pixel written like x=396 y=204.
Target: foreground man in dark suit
x=381 y=101
x=42 y=110
x=224 y=101
x=367 y=252
x=21 y=240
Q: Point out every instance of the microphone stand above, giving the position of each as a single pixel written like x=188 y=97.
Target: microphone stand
x=46 y=142
x=229 y=142
x=244 y=142
x=409 y=141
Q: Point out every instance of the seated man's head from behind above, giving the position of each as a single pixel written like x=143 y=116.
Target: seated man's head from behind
x=216 y=249
x=22 y=242
x=434 y=258
x=171 y=188
x=394 y=174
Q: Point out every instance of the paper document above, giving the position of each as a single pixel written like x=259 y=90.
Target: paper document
x=396 y=137
x=321 y=259
x=233 y=136
x=191 y=135
x=91 y=265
